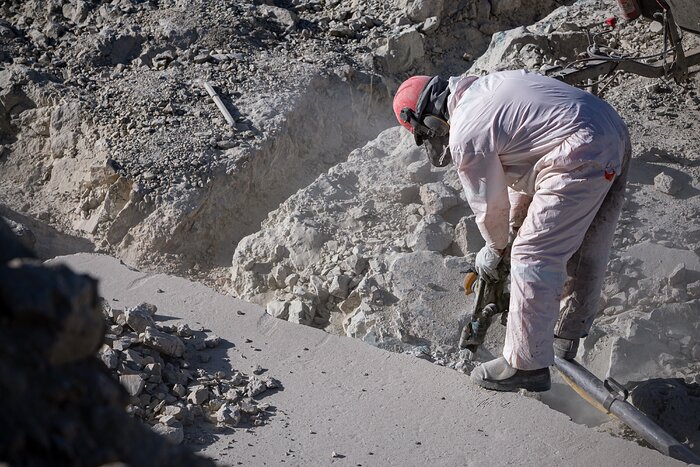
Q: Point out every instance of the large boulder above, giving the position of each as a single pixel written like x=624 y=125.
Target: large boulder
x=438 y=198
x=400 y=51
x=420 y=10
x=432 y=233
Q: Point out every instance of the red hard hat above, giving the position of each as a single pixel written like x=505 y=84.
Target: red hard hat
x=407 y=96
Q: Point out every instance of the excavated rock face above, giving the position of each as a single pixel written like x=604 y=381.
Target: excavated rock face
x=59 y=400
x=106 y=131
x=365 y=250
x=94 y=109
x=407 y=295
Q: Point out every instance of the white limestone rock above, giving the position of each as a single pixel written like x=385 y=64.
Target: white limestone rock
x=319 y=288
x=339 y=286
x=401 y=51
x=229 y=415
x=652 y=340
x=467 y=238
x=432 y=233
x=360 y=324
x=504 y=50
x=109 y=357
x=677 y=277
x=278 y=309
x=355 y=263
x=367 y=291
x=667 y=183
x=198 y=395
x=174 y=434
x=419 y=171
x=139 y=319
x=164 y=343
x=133 y=384
x=438 y=198
x=431 y=25
x=279 y=274
x=420 y=10
x=300 y=313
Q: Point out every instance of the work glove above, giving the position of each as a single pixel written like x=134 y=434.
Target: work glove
x=486 y=263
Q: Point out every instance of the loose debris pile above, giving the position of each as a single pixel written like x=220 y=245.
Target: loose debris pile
x=161 y=368
x=361 y=250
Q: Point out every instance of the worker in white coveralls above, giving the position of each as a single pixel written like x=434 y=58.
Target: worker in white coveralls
x=543 y=166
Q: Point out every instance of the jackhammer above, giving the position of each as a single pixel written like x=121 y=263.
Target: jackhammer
x=609 y=396
x=492 y=297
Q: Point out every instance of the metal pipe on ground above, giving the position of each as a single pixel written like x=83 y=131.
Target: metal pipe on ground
x=219 y=103
x=604 y=397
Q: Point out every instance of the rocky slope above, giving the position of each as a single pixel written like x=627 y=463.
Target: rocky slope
x=107 y=132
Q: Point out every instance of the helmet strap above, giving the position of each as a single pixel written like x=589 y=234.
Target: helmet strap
x=428 y=127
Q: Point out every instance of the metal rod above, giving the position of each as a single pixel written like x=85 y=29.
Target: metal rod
x=219 y=103
x=595 y=392
x=681 y=68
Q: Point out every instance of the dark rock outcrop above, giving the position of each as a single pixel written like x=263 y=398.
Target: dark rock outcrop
x=59 y=404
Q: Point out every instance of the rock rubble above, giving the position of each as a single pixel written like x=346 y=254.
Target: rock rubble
x=162 y=369
x=340 y=253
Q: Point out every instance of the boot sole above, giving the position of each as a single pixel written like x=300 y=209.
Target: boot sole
x=513 y=386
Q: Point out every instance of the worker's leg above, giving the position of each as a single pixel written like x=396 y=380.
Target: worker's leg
x=561 y=212
x=586 y=269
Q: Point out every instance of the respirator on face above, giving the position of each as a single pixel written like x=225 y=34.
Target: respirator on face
x=430 y=130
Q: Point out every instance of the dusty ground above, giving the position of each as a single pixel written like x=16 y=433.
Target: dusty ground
x=347 y=403
x=314 y=204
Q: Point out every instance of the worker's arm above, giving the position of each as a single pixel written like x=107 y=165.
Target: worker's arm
x=475 y=134
x=484 y=182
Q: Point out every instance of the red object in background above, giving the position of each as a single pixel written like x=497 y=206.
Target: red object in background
x=630 y=9
x=612 y=21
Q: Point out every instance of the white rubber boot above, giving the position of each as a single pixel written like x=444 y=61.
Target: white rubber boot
x=498 y=375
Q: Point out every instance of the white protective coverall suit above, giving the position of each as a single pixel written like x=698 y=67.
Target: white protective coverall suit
x=532 y=150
